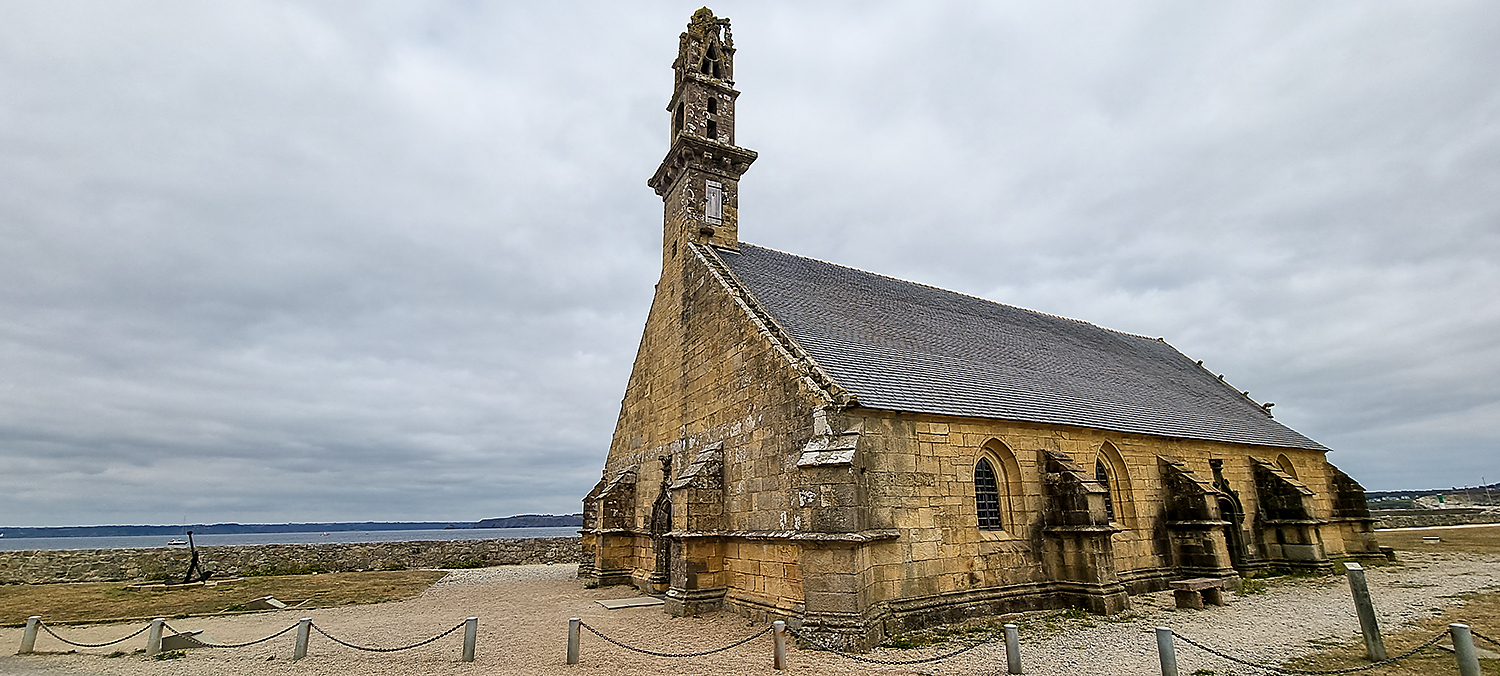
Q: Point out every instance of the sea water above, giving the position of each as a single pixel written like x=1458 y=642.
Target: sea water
x=142 y=541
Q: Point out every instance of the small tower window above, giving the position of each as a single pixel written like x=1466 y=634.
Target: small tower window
x=677 y=122
x=710 y=65
x=1101 y=475
x=987 y=496
x=713 y=106
x=713 y=207
x=713 y=130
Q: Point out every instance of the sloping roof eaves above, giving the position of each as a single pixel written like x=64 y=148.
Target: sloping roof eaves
x=902 y=346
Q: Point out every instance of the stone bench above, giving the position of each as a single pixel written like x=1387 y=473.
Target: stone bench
x=1197 y=591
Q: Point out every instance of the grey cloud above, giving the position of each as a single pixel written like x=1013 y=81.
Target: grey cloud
x=386 y=261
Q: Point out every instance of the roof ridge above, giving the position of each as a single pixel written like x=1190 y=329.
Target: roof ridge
x=1160 y=339
x=900 y=345
x=956 y=293
x=800 y=358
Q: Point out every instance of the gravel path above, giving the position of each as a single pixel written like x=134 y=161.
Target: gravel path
x=523 y=613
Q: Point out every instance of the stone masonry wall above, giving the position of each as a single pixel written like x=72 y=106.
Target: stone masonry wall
x=919 y=472
x=707 y=374
x=1413 y=518
x=110 y=565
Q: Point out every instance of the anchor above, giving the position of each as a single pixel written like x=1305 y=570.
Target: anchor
x=195 y=571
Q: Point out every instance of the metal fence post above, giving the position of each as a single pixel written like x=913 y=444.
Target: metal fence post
x=1374 y=645
x=778 y=656
x=471 y=636
x=573 y=623
x=1165 y=651
x=1012 y=649
x=28 y=640
x=304 y=627
x=153 y=637
x=1463 y=648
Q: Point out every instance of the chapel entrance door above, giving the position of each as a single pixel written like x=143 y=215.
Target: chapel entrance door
x=1234 y=536
x=661 y=524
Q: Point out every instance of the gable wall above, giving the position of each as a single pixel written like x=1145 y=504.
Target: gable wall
x=705 y=374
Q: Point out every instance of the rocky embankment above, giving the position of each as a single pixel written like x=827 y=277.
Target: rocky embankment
x=109 y=565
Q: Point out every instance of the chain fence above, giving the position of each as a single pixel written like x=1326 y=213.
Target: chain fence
x=205 y=644
x=48 y=629
x=818 y=645
x=246 y=644
x=1314 y=672
x=654 y=653
x=418 y=644
x=808 y=639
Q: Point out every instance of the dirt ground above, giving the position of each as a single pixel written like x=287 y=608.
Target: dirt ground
x=101 y=601
x=523 y=613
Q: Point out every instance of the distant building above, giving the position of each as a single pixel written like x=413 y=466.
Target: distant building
x=865 y=456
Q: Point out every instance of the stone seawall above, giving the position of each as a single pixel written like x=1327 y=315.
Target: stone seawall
x=1426 y=518
x=110 y=565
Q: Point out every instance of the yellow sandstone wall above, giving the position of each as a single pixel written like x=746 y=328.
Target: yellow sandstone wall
x=889 y=541
x=919 y=470
x=706 y=373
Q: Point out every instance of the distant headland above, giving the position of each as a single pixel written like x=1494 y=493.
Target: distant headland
x=518 y=521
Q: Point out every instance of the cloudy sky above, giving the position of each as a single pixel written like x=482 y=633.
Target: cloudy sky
x=303 y=261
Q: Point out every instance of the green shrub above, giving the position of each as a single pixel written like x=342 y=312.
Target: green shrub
x=1251 y=585
x=908 y=641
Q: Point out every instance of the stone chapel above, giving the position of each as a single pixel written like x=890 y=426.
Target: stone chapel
x=863 y=456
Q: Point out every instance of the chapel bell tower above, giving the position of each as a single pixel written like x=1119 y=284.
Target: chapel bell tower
x=699 y=179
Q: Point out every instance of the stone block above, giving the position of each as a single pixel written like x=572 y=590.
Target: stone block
x=830 y=602
x=844 y=583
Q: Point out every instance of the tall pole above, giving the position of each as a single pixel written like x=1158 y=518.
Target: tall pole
x=28 y=639
x=778 y=645
x=153 y=637
x=1463 y=649
x=1166 y=652
x=471 y=636
x=1012 y=649
x=573 y=623
x=299 y=650
x=1374 y=645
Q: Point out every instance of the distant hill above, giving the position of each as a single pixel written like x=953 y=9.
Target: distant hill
x=1457 y=495
x=221 y=529
x=530 y=521
x=520 y=521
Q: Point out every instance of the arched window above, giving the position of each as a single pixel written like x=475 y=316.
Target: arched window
x=1101 y=475
x=987 y=496
x=1285 y=464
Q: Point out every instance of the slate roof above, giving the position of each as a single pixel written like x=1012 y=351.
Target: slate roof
x=903 y=346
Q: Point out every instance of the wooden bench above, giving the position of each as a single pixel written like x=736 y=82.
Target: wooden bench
x=1197 y=591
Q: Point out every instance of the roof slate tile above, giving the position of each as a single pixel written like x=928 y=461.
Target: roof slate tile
x=903 y=346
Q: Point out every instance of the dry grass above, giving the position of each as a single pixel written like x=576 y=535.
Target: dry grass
x=1480 y=611
x=1481 y=540
x=101 y=601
